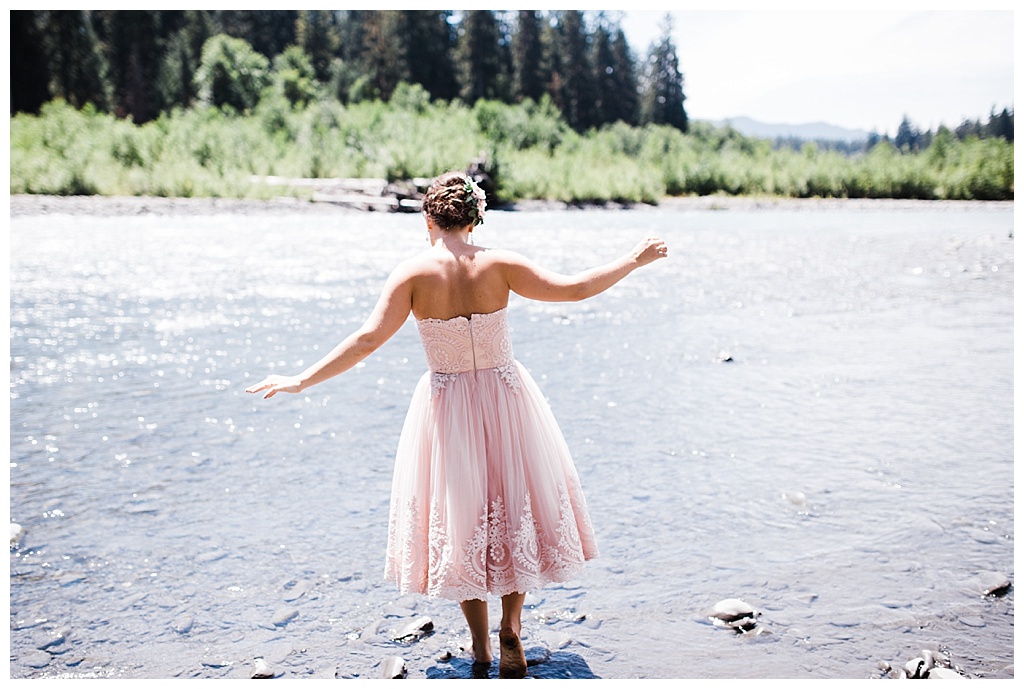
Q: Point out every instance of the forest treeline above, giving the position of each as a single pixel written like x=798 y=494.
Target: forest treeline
x=554 y=104
x=139 y=64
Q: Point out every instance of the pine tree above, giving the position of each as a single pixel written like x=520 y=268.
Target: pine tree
x=77 y=67
x=478 y=58
x=908 y=136
x=317 y=32
x=663 y=97
x=625 y=105
x=429 y=41
x=184 y=48
x=29 y=87
x=527 y=55
x=575 y=93
x=272 y=31
x=383 y=57
x=1000 y=125
x=350 y=30
x=134 y=49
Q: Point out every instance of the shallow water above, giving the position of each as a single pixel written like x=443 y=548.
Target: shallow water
x=808 y=410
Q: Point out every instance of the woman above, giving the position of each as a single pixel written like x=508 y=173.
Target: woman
x=485 y=498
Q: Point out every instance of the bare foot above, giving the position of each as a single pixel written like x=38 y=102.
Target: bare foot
x=513 y=662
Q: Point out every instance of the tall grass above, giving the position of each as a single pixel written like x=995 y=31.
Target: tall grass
x=208 y=152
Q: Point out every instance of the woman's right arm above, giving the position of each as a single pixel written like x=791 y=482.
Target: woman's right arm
x=529 y=280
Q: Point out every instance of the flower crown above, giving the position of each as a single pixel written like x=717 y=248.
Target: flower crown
x=475 y=197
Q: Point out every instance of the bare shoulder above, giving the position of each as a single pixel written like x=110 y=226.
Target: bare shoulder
x=415 y=265
x=504 y=257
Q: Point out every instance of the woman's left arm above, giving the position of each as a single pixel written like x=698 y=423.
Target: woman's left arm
x=387 y=317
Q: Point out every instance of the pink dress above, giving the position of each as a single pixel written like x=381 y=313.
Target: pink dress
x=485 y=496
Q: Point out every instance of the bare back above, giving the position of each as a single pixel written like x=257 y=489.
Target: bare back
x=457 y=281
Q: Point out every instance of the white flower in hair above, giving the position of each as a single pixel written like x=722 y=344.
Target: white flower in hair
x=474 y=192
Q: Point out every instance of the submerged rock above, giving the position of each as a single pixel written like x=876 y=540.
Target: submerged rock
x=284 y=616
x=183 y=624
x=36 y=659
x=535 y=655
x=17 y=533
x=393 y=667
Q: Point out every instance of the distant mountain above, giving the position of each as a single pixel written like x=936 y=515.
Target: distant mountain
x=815 y=131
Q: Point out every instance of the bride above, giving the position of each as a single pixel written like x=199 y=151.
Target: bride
x=485 y=496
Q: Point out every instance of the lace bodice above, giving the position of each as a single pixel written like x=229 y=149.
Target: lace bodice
x=461 y=344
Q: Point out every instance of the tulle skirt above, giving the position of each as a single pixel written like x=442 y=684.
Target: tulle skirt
x=485 y=498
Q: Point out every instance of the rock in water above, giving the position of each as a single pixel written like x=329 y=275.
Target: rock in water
x=735 y=614
x=183 y=624
x=993 y=584
x=393 y=668
x=535 y=655
x=915 y=669
x=413 y=628
x=944 y=673
x=283 y=616
x=17 y=533
x=262 y=669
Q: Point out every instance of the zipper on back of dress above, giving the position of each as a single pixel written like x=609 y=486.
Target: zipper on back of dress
x=472 y=344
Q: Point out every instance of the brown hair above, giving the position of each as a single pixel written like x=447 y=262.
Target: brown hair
x=448 y=204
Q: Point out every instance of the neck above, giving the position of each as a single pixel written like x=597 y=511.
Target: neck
x=449 y=238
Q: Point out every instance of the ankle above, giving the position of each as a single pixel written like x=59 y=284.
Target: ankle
x=510 y=629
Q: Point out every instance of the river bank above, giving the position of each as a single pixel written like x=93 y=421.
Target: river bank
x=114 y=206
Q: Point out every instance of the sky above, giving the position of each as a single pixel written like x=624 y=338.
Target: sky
x=863 y=69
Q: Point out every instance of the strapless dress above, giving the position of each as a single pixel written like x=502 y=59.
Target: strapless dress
x=485 y=497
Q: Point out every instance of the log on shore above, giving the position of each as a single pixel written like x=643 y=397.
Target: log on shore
x=367 y=193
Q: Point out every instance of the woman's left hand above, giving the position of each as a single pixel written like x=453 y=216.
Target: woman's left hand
x=274 y=384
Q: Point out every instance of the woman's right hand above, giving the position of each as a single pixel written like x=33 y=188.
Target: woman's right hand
x=649 y=251
x=274 y=384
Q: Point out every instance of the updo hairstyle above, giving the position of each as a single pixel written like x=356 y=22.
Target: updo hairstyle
x=447 y=203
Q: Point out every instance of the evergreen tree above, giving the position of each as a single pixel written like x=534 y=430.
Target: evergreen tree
x=350 y=31
x=29 y=82
x=551 y=61
x=908 y=137
x=184 y=47
x=77 y=67
x=604 y=72
x=1000 y=125
x=134 y=51
x=575 y=93
x=625 y=104
x=527 y=55
x=663 y=97
x=317 y=32
x=429 y=41
x=478 y=59
x=269 y=32
x=384 y=59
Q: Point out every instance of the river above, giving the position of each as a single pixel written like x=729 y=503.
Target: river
x=808 y=410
